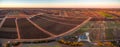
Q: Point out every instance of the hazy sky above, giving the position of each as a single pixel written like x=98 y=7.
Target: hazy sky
x=61 y=3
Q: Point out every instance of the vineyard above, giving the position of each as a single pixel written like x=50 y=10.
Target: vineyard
x=46 y=24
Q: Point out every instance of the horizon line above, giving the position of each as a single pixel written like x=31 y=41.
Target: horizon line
x=59 y=7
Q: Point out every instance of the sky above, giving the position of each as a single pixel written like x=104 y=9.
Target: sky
x=60 y=3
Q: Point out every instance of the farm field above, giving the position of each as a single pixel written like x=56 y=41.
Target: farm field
x=101 y=30
x=44 y=24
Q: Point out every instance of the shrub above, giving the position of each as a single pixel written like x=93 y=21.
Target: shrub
x=70 y=43
x=15 y=43
x=100 y=43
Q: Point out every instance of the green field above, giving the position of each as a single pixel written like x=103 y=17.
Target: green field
x=105 y=15
x=109 y=28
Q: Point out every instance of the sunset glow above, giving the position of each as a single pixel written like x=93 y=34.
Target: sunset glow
x=60 y=3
